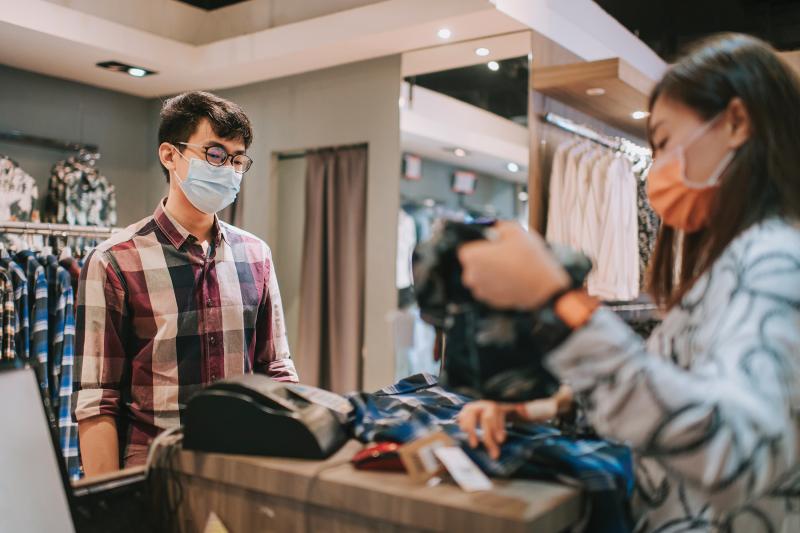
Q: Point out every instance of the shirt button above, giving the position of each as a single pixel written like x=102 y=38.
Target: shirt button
x=213 y=341
x=209 y=302
x=213 y=376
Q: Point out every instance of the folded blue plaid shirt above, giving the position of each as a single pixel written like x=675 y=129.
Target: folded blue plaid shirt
x=417 y=405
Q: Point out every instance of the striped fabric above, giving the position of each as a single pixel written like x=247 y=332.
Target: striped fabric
x=68 y=429
x=7 y=317
x=20 y=283
x=38 y=309
x=158 y=319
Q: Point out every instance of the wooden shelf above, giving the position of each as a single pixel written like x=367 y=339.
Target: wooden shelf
x=626 y=90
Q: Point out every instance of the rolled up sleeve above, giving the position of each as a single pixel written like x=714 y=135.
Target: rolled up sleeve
x=101 y=322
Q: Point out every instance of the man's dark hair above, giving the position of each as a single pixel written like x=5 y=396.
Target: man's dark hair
x=181 y=114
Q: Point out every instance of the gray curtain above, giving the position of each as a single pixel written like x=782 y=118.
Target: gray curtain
x=331 y=327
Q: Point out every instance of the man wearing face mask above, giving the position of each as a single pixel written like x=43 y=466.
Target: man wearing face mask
x=178 y=300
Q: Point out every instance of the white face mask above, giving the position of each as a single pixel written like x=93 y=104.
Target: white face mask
x=210 y=189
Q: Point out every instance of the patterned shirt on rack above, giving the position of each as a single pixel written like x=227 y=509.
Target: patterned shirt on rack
x=158 y=319
x=7 y=316
x=68 y=429
x=79 y=194
x=39 y=311
x=22 y=326
x=18 y=197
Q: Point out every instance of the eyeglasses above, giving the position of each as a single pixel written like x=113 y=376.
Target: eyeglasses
x=217 y=156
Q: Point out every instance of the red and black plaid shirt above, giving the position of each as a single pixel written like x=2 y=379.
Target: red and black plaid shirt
x=158 y=319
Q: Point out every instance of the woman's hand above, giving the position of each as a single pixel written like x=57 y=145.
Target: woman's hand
x=513 y=271
x=492 y=417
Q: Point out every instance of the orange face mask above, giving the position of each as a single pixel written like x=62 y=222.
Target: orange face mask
x=680 y=203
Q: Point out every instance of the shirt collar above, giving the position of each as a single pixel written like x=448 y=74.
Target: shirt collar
x=177 y=234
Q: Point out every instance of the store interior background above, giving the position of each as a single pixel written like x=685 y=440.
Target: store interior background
x=313 y=74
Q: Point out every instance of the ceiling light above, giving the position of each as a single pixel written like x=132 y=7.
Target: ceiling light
x=459 y=152
x=639 y=115
x=483 y=52
x=494 y=66
x=512 y=167
x=596 y=91
x=444 y=33
x=131 y=70
x=522 y=196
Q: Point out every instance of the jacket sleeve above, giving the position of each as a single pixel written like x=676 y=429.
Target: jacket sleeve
x=725 y=422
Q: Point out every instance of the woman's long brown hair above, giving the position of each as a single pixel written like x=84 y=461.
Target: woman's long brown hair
x=764 y=177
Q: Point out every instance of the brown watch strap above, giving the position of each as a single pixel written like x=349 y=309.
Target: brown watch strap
x=575 y=308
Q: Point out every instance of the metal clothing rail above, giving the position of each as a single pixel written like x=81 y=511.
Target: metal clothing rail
x=45 y=142
x=55 y=230
x=618 y=144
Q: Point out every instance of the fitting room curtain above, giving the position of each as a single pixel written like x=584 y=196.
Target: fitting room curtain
x=331 y=322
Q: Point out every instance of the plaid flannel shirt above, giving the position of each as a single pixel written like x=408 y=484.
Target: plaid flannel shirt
x=20 y=283
x=158 y=319
x=7 y=317
x=39 y=312
x=417 y=405
x=68 y=429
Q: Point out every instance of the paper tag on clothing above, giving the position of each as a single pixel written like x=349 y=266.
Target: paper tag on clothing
x=419 y=459
x=463 y=470
x=332 y=401
x=214 y=524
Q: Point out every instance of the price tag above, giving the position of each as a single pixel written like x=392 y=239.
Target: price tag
x=462 y=469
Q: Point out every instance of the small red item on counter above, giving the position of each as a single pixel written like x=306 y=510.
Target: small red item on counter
x=381 y=456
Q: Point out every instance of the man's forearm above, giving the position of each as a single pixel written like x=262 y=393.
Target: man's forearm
x=99 y=445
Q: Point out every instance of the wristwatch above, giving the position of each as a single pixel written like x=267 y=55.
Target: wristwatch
x=567 y=311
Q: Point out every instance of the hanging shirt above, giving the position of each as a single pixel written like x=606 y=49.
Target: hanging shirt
x=158 y=319
x=711 y=403
x=22 y=326
x=7 y=317
x=79 y=194
x=406 y=241
x=68 y=429
x=18 y=198
x=555 y=201
x=39 y=312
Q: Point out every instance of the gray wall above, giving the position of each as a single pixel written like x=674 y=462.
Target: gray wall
x=436 y=184
x=120 y=124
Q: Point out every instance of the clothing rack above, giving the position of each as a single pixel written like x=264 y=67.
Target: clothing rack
x=53 y=144
x=618 y=144
x=55 y=230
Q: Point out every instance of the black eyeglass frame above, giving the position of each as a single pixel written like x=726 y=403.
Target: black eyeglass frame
x=228 y=156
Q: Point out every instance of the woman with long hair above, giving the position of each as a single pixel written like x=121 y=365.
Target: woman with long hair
x=710 y=402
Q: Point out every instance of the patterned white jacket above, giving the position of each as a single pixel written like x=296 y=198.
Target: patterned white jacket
x=711 y=403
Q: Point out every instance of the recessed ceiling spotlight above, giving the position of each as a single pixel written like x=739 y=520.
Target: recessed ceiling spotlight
x=137 y=72
x=482 y=52
x=596 y=91
x=494 y=66
x=639 y=115
x=444 y=33
x=116 y=66
x=459 y=152
x=512 y=167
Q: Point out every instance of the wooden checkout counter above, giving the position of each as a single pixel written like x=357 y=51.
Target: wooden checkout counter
x=257 y=494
